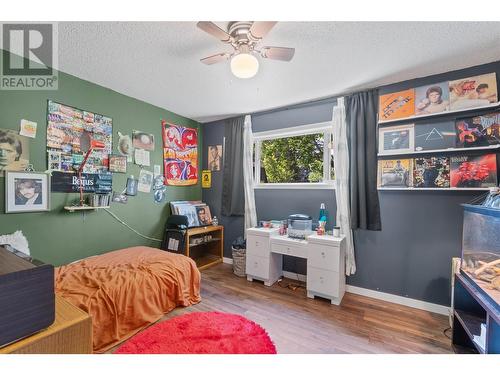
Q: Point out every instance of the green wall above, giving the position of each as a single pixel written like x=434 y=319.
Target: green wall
x=58 y=236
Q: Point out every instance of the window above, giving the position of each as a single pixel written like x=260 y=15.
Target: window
x=298 y=157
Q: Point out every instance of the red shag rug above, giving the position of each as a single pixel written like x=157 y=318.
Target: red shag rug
x=201 y=333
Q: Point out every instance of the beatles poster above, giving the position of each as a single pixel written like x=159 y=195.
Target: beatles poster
x=180 y=154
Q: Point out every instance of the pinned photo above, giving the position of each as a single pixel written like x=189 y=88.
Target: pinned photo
x=14 y=151
x=143 y=140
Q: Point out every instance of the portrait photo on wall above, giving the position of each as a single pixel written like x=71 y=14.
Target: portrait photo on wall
x=215 y=157
x=435 y=136
x=477 y=91
x=27 y=192
x=433 y=98
x=204 y=215
x=478 y=131
x=14 y=151
x=396 y=139
x=143 y=140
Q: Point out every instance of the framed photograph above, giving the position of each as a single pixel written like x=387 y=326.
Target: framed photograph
x=396 y=139
x=214 y=157
x=27 y=192
x=118 y=164
x=143 y=140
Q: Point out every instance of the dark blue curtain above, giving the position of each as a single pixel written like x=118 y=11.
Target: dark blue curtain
x=361 y=118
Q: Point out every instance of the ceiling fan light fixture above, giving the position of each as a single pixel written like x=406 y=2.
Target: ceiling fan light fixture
x=244 y=65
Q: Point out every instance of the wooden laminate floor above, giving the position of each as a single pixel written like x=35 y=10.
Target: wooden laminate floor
x=298 y=324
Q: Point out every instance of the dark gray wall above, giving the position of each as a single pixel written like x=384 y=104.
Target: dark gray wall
x=421 y=230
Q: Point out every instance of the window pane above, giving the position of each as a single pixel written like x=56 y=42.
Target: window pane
x=292 y=159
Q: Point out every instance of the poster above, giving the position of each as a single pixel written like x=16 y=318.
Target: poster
x=142 y=157
x=14 y=151
x=28 y=128
x=396 y=105
x=214 y=157
x=64 y=128
x=206 y=179
x=180 y=155
x=471 y=92
x=62 y=182
x=143 y=140
x=145 y=181
x=118 y=164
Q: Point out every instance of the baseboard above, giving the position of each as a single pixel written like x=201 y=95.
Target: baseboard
x=405 y=301
x=227 y=260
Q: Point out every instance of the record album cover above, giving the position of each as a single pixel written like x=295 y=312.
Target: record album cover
x=431 y=172
x=395 y=173
x=431 y=99
x=397 y=105
x=478 y=131
x=474 y=171
x=471 y=92
x=435 y=136
x=396 y=139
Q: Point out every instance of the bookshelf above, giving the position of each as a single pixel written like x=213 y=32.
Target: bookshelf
x=440 y=151
x=411 y=188
x=205 y=245
x=84 y=208
x=445 y=113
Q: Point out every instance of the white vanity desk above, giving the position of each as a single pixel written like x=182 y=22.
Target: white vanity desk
x=324 y=254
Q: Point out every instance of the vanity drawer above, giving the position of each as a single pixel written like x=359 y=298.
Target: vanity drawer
x=324 y=256
x=322 y=281
x=257 y=266
x=258 y=246
x=289 y=249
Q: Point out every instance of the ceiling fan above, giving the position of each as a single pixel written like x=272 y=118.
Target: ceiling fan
x=244 y=37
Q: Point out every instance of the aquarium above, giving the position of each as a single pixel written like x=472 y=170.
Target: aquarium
x=481 y=249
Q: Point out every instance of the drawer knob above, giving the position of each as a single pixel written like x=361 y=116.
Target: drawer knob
x=256 y=244
x=323 y=253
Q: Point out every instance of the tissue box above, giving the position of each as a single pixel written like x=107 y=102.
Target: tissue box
x=27 y=299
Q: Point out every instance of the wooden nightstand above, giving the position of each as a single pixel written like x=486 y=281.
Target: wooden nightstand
x=71 y=333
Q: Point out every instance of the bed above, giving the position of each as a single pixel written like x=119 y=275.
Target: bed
x=126 y=290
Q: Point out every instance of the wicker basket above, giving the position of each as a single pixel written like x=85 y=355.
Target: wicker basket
x=239 y=262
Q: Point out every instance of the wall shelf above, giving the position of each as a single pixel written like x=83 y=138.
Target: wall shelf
x=442 y=150
x=456 y=111
x=83 y=208
x=440 y=189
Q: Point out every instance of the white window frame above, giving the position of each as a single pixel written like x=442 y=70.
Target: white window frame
x=322 y=127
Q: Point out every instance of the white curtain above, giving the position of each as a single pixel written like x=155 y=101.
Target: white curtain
x=341 y=164
x=250 y=212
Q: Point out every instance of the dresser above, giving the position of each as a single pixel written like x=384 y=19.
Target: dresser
x=325 y=261
x=71 y=333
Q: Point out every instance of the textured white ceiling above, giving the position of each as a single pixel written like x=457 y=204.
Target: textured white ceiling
x=158 y=62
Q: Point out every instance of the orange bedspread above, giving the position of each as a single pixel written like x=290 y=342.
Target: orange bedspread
x=126 y=290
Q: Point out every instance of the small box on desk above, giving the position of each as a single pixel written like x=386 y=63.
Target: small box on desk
x=27 y=300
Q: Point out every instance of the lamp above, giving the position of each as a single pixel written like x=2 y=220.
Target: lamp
x=87 y=145
x=244 y=65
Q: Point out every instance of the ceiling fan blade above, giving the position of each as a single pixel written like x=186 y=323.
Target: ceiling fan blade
x=277 y=53
x=214 y=30
x=216 y=58
x=259 y=29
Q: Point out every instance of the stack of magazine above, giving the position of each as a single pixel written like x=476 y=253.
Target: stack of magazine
x=197 y=212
